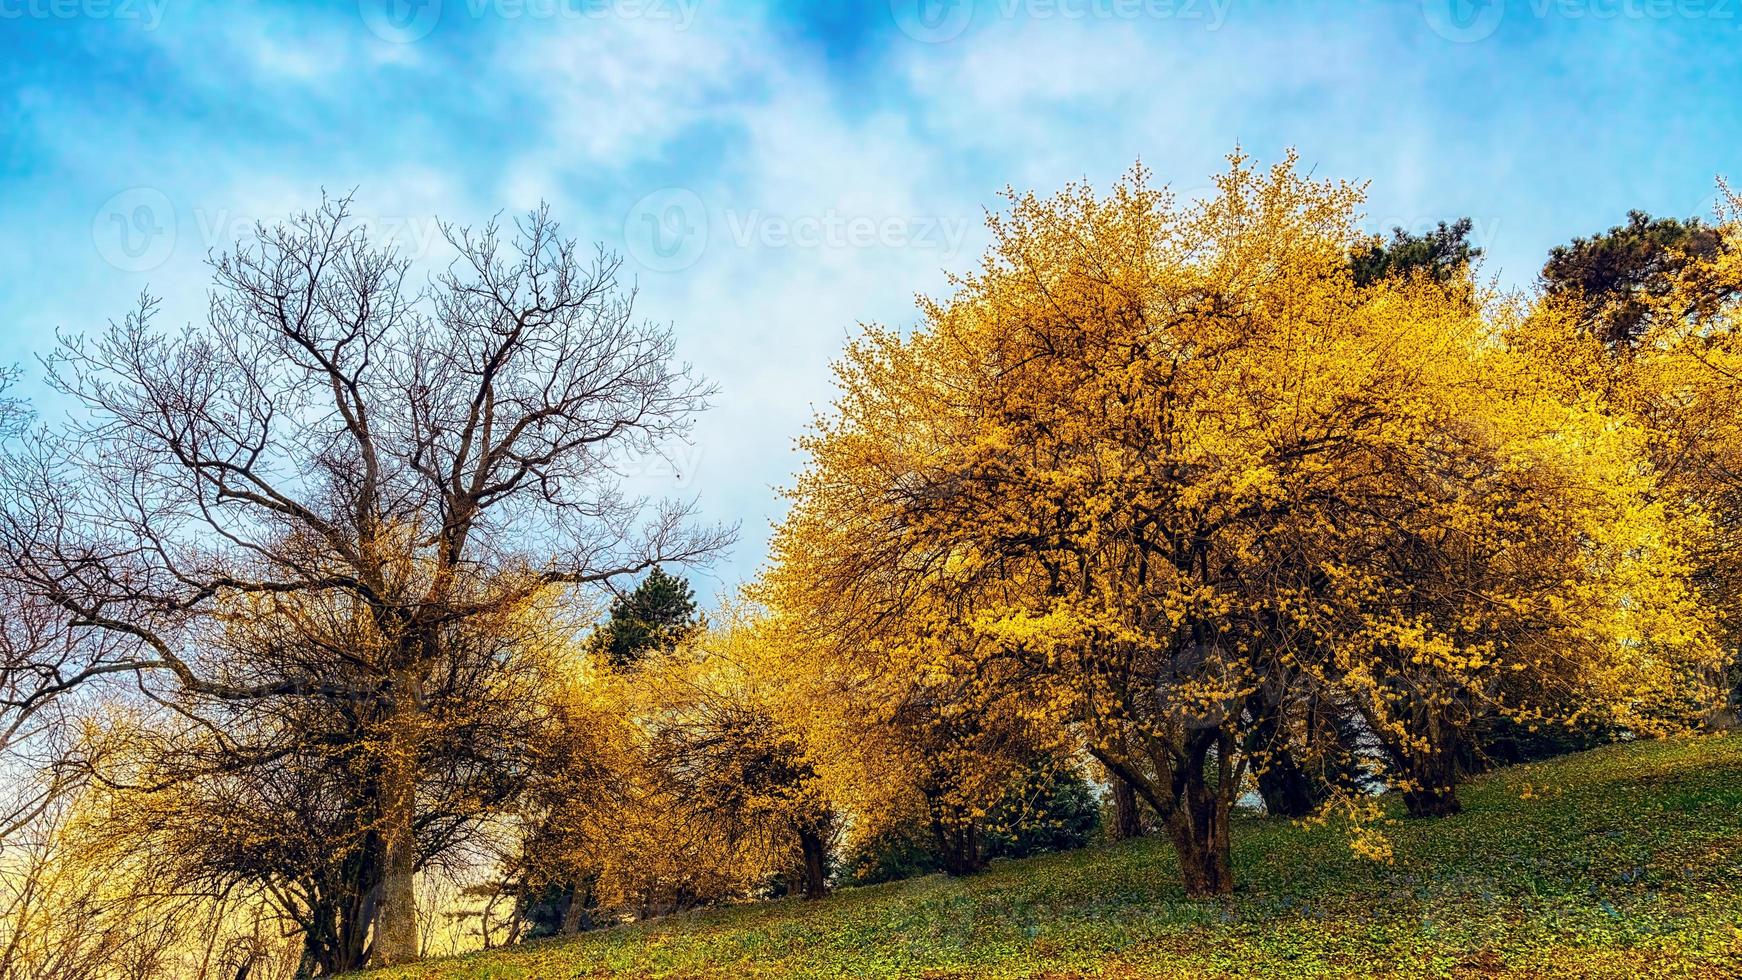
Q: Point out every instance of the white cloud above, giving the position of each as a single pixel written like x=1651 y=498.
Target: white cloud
x=833 y=193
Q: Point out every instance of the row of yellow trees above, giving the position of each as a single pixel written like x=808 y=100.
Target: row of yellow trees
x=1163 y=482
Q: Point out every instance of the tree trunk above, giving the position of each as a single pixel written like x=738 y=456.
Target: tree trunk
x=309 y=965
x=816 y=863
x=1198 y=827
x=356 y=899
x=958 y=847
x=1283 y=784
x=1127 y=822
x=396 y=938
x=575 y=915
x=1285 y=788
x=1432 y=777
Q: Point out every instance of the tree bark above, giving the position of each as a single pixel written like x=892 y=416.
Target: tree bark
x=1432 y=776
x=1198 y=827
x=575 y=915
x=1283 y=784
x=816 y=864
x=1193 y=813
x=1285 y=788
x=958 y=847
x=1426 y=760
x=1127 y=822
x=396 y=939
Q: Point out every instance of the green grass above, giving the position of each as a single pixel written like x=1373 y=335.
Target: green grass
x=1629 y=864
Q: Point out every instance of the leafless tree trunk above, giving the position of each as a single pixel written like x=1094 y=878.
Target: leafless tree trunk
x=396 y=929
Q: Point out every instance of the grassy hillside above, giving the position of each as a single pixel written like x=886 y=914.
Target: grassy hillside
x=1622 y=862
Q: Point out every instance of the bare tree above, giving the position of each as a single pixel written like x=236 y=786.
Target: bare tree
x=279 y=797
x=43 y=666
x=333 y=436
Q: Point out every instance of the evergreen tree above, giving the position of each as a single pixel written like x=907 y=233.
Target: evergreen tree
x=1443 y=252
x=1621 y=277
x=656 y=615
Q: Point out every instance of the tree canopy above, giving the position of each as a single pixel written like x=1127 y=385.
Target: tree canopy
x=1165 y=506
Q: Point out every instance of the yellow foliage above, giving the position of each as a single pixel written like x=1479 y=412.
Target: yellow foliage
x=1153 y=455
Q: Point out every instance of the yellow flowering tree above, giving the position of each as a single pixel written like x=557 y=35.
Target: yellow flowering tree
x=1151 y=457
x=1661 y=351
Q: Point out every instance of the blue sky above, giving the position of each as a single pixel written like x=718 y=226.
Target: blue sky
x=778 y=174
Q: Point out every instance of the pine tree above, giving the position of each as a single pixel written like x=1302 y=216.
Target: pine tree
x=655 y=616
